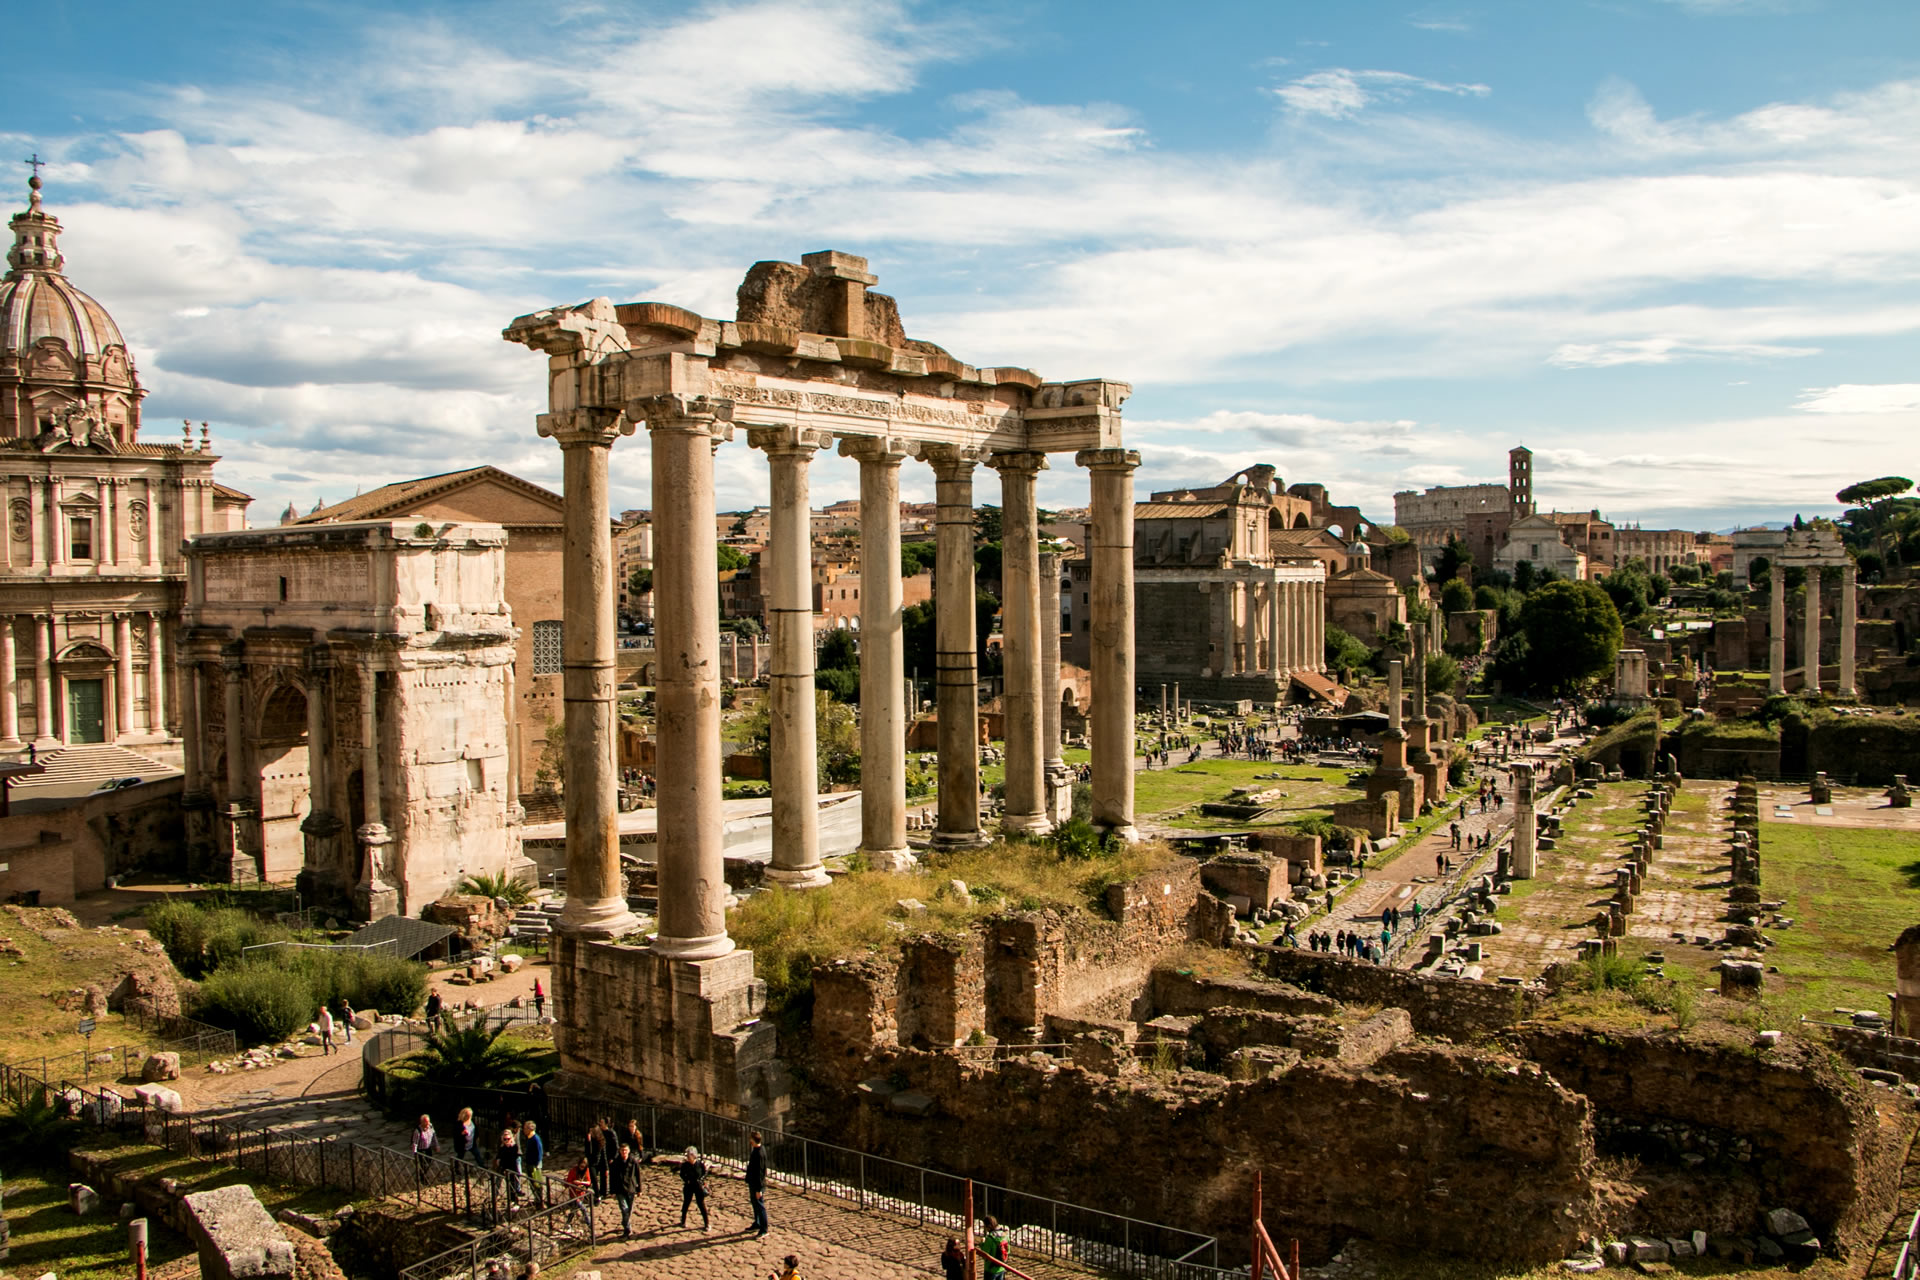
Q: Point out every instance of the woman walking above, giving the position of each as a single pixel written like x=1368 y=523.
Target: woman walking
x=507 y=1160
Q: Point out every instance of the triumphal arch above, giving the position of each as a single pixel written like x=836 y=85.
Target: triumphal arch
x=345 y=690
x=813 y=360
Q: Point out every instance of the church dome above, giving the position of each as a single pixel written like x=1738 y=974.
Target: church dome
x=58 y=347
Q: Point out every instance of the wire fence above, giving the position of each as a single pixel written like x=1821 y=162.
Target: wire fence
x=1908 y=1264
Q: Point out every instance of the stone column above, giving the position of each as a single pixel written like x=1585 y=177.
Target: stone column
x=1021 y=644
x=1277 y=656
x=43 y=682
x=954 y=657
x=883 y=700
x=1317 y=603
x=1110 y=561
x=191 y=720
x=1777 y=631
x=1059 y=778
x=156 y=677
x=693 y=887
x=1394 y=694
x=373 y=896
x=788 y=560
x=1848 y=622
x=37 y=521
x=322 y=824
x=1242 y=628
x=596 y=889
x=123 y=675
x=1524 y=864
x=9 y=686
x=242 y=867
x=1810 y=645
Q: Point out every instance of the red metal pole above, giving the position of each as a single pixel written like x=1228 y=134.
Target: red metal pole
x=1259 y=1255
x=1293 y=1260
x=970 y=1263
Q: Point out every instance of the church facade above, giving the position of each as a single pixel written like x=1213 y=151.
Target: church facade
x=92 y=575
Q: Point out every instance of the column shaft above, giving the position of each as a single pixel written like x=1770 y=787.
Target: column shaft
x=1110 y=556
x=790 y=686
x=1777 y=631
x=9 y=686
x=1021 y=620
x=1848 y=623
x=883 y=709
x=37 y=521
x=123 y=674
x=693 y=887
x=241 y=802
x=43 y=680
x=1276 y=627
x=596 y=887
x=1242 y=629
x=1810 y=644
x=191 y=718
x=156 y=676
x=955 y=661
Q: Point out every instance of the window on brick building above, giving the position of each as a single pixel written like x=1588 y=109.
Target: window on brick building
x=546 y=648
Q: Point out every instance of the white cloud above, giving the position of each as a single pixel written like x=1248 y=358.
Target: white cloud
x=1603 y=355
x=1890 y=397
x=1340 y=93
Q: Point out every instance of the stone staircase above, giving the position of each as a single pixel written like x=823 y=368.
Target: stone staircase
x=537 y=919
x=77 y=768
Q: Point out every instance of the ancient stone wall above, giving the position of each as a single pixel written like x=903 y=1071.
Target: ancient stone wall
x=1189 y=995
x=1785 y=1125
x=943 y=990
x=1425 y=1149
x=1455 y=1008
x=67 y=851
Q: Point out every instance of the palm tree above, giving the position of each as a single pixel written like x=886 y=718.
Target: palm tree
x=500 y=886
x=474 y=1057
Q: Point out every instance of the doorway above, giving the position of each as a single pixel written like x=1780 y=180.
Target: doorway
x=86 y=711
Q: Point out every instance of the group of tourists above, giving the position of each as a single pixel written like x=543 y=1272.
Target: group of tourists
x=327 y=1024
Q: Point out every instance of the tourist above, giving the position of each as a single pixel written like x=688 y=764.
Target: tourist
x=626 y=1185
x=532 y=1152
x=757 y=1187
x=1340 y=941
x=539 y=999
x=1439 y=864
x=346 y=1018
x=693 y=1186
x=466 y=1144
x=1453 y=834
x=953 y=1260
x=994 y=1246
x=638 y=1143
x=426 y=1145
x=506 y=1159
x=433 y=1006
x=599 y=1149
x=579 y=1183
x=325 y=1024
x=789 y=1269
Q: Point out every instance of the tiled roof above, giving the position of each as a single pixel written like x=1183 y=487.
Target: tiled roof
x=1176 y=510
x=409 y=936
x=395 y=498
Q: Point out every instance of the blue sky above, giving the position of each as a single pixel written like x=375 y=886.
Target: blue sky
x=1671 y=245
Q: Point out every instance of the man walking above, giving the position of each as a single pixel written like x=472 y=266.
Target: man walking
x=757 y=1187
x=626 y=1186
x=426 y=1145
x=326 y=1031
x=693 y=1187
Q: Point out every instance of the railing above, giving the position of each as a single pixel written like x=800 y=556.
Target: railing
x=195 y=1049
x=548 y=1237
x=1908 y=1265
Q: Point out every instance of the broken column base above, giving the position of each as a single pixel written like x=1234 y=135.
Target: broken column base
x=688 y=1033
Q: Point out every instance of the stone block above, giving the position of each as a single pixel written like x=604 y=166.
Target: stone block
x=160 y=1066
x=1253 y=878
x=82 y=1199
x=1646 y=1250
x=1785 y=1222
x=237 y=1238
x=910 y=1103
x=157 y=1097
x=510 y=963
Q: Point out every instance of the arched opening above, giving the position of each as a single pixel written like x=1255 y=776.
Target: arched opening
x=286 y=783
x=1300 y=520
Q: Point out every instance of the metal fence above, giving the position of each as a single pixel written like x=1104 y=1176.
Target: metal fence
x=1908 y=1264
x=548 y=1237
x=122 y=1061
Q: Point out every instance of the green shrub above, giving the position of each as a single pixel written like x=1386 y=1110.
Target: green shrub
x=1612 y=973
x=200 y=939
x=503 y=885
x=257 y=1002
x=1077 y=840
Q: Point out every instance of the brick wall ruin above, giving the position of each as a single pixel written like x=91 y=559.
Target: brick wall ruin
x=1451 y=1008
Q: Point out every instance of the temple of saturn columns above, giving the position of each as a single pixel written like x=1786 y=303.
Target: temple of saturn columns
x=1814 y=550
x=813 y=360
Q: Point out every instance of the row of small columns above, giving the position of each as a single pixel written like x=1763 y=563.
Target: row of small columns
x=1281 y=620
x=1810 y=644
x=43 y=647
x=685 y=432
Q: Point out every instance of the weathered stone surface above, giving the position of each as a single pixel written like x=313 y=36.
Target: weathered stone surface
x=159 y=1098
x=237 y=1238
x=1784 y=1222
x=160 y=1066
x=82 y=1199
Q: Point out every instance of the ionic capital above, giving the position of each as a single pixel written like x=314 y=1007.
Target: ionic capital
x=1029 y=463
x=885 y=450
x=952 y=462
x=803 y=441
x=1108 y=459
x=585 y=428
x=695 y=415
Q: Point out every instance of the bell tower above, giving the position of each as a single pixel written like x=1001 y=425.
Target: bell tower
x=1520 y=480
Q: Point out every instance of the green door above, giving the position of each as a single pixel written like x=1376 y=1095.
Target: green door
x=86 y=711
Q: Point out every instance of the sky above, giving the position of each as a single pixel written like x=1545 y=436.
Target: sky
x=1670 y=245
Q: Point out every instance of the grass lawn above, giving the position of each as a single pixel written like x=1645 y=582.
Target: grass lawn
x=31 y=1025
x=1307 y=790
x=1850 y=892
x=47 y=1237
